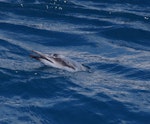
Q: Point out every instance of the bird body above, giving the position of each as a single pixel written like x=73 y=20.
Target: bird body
x=58 y=61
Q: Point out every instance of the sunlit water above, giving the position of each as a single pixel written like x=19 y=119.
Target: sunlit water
x=111 y=37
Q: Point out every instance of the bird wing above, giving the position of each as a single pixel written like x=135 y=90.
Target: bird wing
x=64 y=62
x=40 y=56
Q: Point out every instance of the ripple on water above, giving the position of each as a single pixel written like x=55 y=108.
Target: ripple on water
x=112 y=37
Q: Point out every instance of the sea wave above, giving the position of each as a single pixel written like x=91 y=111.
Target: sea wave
x=111 y=37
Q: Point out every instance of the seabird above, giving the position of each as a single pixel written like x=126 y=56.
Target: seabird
x=58 y=61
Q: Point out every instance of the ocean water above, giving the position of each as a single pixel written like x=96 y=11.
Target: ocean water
x=112 y=37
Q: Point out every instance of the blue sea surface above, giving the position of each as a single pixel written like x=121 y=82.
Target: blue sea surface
x=112 y=37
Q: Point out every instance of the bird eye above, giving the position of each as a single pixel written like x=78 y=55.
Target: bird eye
x=55 y=55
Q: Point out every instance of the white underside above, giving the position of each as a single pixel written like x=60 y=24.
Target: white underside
x=77 y=66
